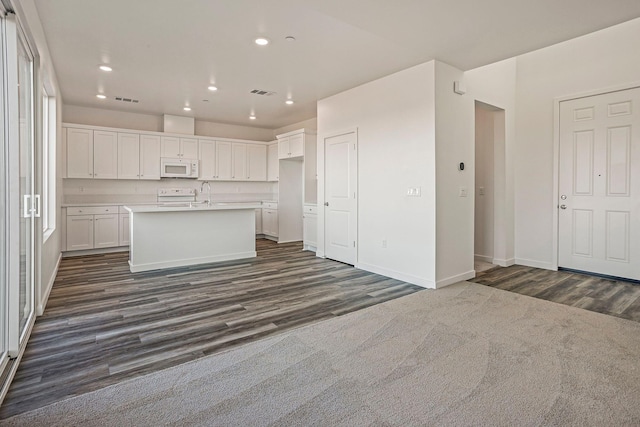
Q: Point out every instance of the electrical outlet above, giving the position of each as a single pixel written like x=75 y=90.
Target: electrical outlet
x=481 y=191
x=414 y=191
x=81 y=189
x=384 y=243
x=463 y=192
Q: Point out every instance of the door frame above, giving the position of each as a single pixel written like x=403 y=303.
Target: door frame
x=556 y=158
x=321 y=188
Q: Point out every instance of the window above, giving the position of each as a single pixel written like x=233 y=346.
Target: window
x=48 y=164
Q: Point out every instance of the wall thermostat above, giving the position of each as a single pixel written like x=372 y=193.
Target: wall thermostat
x=461 y=166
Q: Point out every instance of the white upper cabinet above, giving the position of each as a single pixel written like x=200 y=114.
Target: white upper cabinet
x=239 y=162
x=291 y=146
x=179 y=147
x=128 y=156
x=149 y=157
x=272 y=162
x=224 y=161
x=256 y=162
x=105 y=155
x=79 y=153
x=207 y=157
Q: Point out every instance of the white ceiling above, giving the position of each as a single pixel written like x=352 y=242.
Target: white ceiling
x=165 y=53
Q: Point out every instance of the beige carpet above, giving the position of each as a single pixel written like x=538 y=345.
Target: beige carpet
x=463 y=355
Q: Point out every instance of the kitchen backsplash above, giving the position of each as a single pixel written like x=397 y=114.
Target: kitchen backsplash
x=124 y=191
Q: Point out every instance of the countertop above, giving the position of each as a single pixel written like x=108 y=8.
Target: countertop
x=255 y=202
x=192 y=207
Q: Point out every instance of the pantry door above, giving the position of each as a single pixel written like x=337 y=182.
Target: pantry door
x=599 y=184
x=340 y=210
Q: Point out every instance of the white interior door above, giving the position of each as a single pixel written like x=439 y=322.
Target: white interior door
x=599 y=179
x=340 y=215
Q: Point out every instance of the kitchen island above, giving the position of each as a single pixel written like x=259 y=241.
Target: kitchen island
x=190 y=234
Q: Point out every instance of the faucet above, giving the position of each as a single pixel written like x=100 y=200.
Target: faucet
x=208 y=184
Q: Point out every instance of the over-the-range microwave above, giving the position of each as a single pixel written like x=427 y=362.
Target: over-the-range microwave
x=178 y=168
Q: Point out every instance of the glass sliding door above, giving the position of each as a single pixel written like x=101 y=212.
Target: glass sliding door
x=4 y=214
x=29 y=202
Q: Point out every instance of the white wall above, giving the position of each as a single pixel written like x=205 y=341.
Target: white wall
x=311 y=124
x=601 y=60
x=484 y=137
x=395 y=118
x=454 y=144
x=495 y=84
x=127 y=120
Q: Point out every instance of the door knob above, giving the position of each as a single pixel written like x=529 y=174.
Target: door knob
x=563 y=206
x=326 y=203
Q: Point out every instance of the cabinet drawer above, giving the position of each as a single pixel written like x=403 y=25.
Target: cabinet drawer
x=269 y=205
x=91 y=210
x=310 y=209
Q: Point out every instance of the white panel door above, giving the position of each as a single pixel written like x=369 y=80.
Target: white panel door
x=340 y=197
x=207 y=157
x=149 y=157
x=105 y=155
x=105 y=231
x=128 y=156
x=272 y=162
x=170 y=146
x=189 y=148
x=79 y=232
x=599 y=184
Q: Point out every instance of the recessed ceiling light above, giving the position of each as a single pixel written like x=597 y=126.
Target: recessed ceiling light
x=187 y=108
x=252 y=117
x=105 y=68
x=288 y=101
x=101 y=96
x=212 y=88
x=290 y=38
x=262 y=41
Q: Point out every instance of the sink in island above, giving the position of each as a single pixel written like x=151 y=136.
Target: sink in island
x=189 y=234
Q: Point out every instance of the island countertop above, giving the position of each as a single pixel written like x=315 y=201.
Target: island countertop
x=193 y=206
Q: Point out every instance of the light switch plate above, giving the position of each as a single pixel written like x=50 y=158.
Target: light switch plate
x=414 y=191
x=463 y=192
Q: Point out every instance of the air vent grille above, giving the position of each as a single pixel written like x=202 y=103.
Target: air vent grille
x=262 y=92
x=123 y=99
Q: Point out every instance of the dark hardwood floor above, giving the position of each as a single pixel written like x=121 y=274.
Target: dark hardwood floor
x=104 y=324
x=614 y=297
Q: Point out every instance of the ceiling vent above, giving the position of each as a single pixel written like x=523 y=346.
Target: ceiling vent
x=262 y=92
x=123 y=99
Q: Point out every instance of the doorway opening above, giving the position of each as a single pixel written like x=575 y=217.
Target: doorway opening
x=489 y=183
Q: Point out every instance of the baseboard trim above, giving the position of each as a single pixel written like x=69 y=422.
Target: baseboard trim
x=68 y=254
x=483 y=258
x=192 y=261
x=536 y=264
x=503 y=262
x=455 y=279
x=414 y=280
x=43 y=300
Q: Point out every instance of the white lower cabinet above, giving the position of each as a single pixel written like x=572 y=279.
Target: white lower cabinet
x=270 y=220
x=92 y=227
x=258 y=221
x=310 y=228
x=123 y=235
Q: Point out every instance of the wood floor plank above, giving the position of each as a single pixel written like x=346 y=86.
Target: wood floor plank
x=104 y=324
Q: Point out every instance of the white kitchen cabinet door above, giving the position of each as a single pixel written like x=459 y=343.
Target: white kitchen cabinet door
x=272 y=162
x=296 y=145
x=207 y=157
x=170 y=146
x=283 y=148
x=258 y=221
x=123 y=235
x=128 y=156
x=105 y=231
x=149 y=157
x=270 y=222
x=105 y=155
x=239 y=172
x=79 y=153
x=310 y=228
x=79 y=232
x=224 y=161
x=256 y=162
x=189 y=148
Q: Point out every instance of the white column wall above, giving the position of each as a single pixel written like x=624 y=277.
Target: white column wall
x=484 y=167
x=395 y=120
